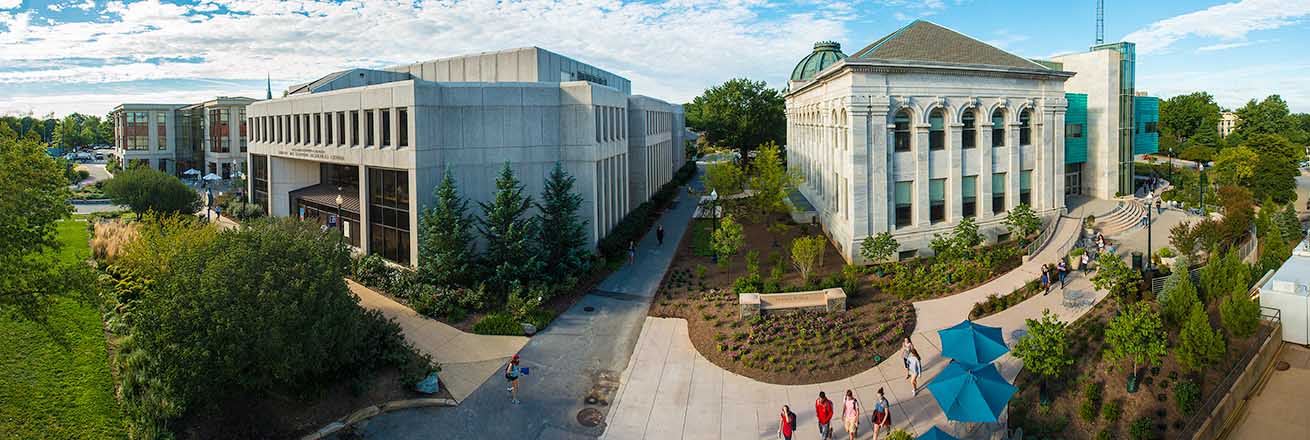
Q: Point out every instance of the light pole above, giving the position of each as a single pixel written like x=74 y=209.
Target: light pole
x=1200 y=184
x=714 y=207
x=340 y=224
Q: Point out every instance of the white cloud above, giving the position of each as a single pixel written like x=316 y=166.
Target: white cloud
x=1233 y=45
x=1004 y=39
x=86 y=6
x=671 y=50
x=55 y=7
x=1227 y=22
x=10 y=4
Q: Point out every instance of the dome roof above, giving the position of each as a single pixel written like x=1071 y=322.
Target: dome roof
x=825 y=54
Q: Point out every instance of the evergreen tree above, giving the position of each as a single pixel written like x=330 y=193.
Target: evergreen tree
x=562 y=235
x=446 y=243
x=1199 y=344
x=1224 y=275
x=1289 y=224
x=1239 y=314
x=1179 y=296
x=507 y=229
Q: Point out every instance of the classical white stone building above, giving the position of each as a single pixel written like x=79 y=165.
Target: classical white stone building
x=921 y=129
x=382 y=139
x=1227 y=123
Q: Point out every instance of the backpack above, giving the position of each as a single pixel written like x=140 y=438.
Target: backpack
x=791 y=420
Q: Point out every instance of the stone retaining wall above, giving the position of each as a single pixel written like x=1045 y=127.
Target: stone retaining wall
x=751 y=305
x=1227 y=408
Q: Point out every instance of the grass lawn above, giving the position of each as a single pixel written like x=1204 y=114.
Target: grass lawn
x=54 y=378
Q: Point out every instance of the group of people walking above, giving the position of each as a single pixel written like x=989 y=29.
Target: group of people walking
x=1051 y=273
x=881 y=419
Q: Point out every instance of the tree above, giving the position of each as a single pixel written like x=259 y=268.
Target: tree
x=772 y=180
x=563 y=243
x=1239 y=314
x=1184 y=240
x=1179 y=295
x=251 y=312
x=68 y=132
x=446 y=241
x=1023 y=220
x=1277 y=167
x=725 y=178
x=507 y=229
x=145 y=189
x=1136 y=335
x=1223 y=276
x=739 y=113
x=805 y=253
x=1235 y=166
x=727 y=240
x=35 y=198
x=1239 y=212
x=1116 y=276
x=1199 y=344
x=1194 y=117
x=1269 y=116
x=1197 y=153
x=879 y=248
x=1289 y=224
x=1045 y=348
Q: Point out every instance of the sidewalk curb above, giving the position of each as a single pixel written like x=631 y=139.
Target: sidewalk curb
x=371 y=411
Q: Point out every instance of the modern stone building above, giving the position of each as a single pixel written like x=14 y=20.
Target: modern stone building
x=927 y=126
x=209 y=137
x=921 y=129
x=382 y=139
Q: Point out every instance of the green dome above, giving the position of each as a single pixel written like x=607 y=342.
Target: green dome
x=825 y=54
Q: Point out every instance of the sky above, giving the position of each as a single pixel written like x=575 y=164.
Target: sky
x=89 y=55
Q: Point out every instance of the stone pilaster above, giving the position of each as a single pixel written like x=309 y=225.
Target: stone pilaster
x=954 y=171
x=985 y=169
x=1016 y=162
x=919 y=147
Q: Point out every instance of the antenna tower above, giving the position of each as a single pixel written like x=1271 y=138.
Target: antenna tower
x=1100 y=21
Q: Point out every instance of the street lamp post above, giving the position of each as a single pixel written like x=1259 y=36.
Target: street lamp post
x=714 y=207
x=1200 y=184
x=340 y=224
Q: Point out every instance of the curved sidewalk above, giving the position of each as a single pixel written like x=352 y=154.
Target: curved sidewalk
x=670 y=391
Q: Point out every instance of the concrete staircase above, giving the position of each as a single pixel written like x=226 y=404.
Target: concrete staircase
x=1126 y=216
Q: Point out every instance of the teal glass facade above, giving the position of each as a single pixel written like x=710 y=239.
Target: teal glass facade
x=1075 y=128
x=1146 y=121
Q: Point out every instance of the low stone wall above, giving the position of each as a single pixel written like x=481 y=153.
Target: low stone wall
x=756 y=304
x=1223 y=413
x=371 y=411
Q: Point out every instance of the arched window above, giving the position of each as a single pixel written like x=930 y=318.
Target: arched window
x=902 y=131
x=970 y=132
x=998 y=128
x=1025 y=128
x=936 y=130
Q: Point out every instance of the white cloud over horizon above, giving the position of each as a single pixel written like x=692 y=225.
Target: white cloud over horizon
x=1228 y=22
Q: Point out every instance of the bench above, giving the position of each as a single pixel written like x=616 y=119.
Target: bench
x=756 y=304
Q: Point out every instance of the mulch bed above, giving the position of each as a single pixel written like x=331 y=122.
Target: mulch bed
x=801 y=348
x=1154 y=398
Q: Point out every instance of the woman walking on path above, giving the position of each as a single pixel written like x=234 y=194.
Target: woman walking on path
x=786 y=423
x=823 y=412
x=632 y=251
x=882 y=414
x=916 y=368
x=1086 y=262
x=850 y=414
x=512 y=375
x=1046 y=280
x=659 y=234
x=906 y=347
x=1063 y=269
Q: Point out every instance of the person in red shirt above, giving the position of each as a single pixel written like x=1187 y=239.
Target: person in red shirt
x=823 y=412
x=787 y=422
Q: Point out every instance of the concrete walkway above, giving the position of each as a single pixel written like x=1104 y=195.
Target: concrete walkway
x=1266 y=415
x=670 y=391
x=580 y=355
x=466 y=359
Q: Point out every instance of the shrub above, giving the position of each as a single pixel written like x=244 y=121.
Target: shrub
x=370 y=270
x=145 y=189
x=498 y=323
x=110 y=238
x=900 y=434
x=1110 y=411
x=1087 y=411
x=1187 y=395
x=1104 y=434
x=1142 y=429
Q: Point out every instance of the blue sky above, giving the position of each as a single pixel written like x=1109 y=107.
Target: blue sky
x=89 y=55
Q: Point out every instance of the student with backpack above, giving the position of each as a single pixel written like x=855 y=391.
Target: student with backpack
x=882 y=415
x=786 y=423
x=823 y=412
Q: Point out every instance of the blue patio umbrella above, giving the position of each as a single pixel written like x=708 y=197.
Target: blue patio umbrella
x=971 y=394
x=935 y=433
x=972 y=343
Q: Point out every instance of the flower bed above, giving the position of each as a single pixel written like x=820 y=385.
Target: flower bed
x=995 y=304
x=934 y=277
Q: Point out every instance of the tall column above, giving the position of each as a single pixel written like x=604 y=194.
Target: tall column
x=1058 y=146
x=954 y=171
x=919 y=148
x=870 y=144
x=1012 y=174
x=985 y=168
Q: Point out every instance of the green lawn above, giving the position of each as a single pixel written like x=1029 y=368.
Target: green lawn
x=54 y=378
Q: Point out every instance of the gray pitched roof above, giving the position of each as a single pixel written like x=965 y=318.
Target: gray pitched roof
x=927 y=42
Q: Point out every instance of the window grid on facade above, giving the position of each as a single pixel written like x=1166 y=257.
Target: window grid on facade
x=1025 y=128
x=341 y=128
x=901 y=132
x=998 y=193
x=259 y=180
x=368 y=128
x=386 y=128
x=969 y=135
x=969 y=196
x=904 y=193
x=242 y=132
x=218 y=131
x=389 y=214
x=936 y=131
x=937 y=200
x=402 y=119
x=998 y=129
x=354 y=127
x=161 y=131
x=1025 y=187
x=137 y=132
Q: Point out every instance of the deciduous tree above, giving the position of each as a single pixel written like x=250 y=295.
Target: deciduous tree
x=1136 y=335
x=146 y=189
x=725 y=177
x=727 y=240
x=1235 y=166
x=805 y=251
x=772 y=180
x=1116 y=276
x=739 y=113
x=879 y=248
x=1045 y=348
x=1023 y=220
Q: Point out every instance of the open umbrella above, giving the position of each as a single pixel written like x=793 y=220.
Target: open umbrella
x=191 y=172
x=935 y=433
x=971 y=394
x=212 y=176
x=973 y=344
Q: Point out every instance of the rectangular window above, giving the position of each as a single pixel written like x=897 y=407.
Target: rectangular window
x=327 y=130
x=163 y=165
x=227 y=170
x=341 y=127
x=598 y=124
x=1025 y=187
x=242 y=134
x=354 y=127
x=161 y=131
x=998 y=193
x=138 y=131
x=901 y=133
x=368 y=128
x=998 y=130
x=318 y=129
x=295 y=132
x=389 y=214
x=386 y=128
x=1025 y=129
x=906 y=255
x=218 y=131
x=1150 y=127
x=969 y=196
x=305 y=130
x=402 y=119
x=904 y=193
x=1073 y=131
x=259 y=180
x=969 y=135
x=937 y=200
x=936 y=132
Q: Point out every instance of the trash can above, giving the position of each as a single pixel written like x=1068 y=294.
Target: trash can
x=1137 y=261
